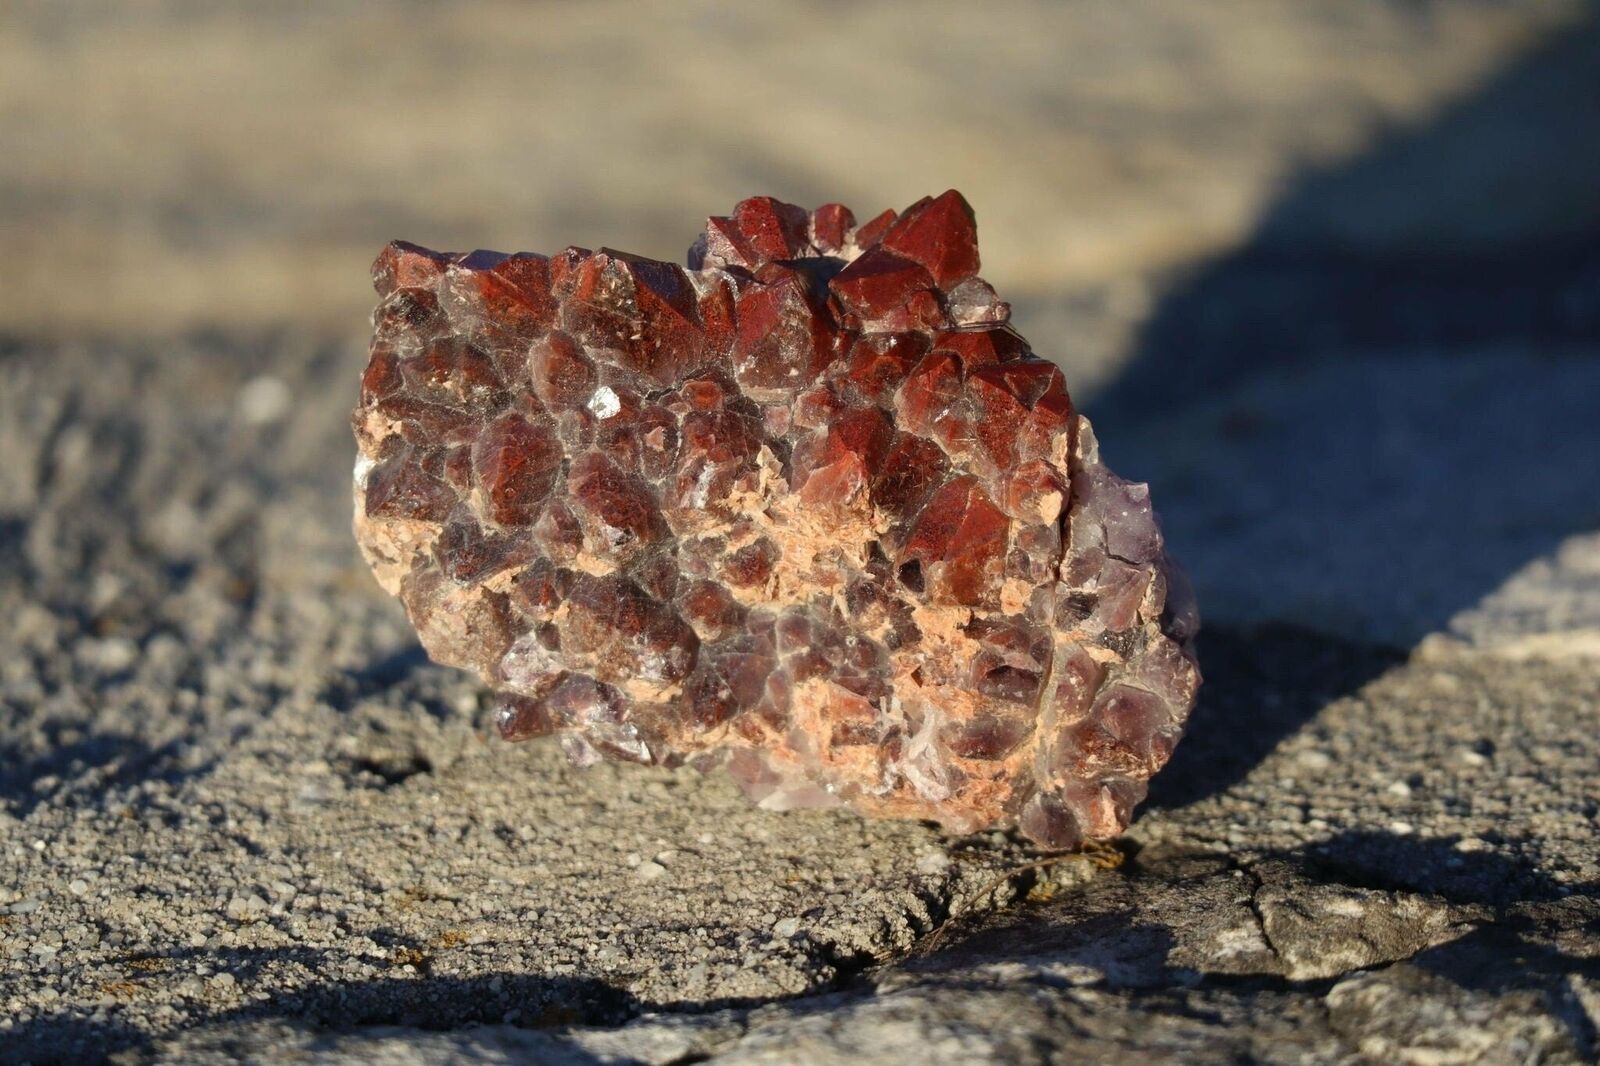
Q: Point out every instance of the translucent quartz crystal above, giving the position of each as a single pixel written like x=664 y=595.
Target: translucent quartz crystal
x=809 y=508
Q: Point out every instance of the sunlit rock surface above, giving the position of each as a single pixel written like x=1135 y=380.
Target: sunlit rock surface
x=809 y=508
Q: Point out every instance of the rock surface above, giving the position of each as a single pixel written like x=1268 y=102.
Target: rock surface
x=241 y=806
x=810 y=509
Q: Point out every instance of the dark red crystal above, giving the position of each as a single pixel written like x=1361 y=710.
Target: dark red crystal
x=811 y=505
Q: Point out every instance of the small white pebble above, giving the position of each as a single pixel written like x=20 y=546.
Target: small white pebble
x=1471 y=844
x=649 y=871
x=1402 y=828
x=786 y=927
x=109 y=655
x=1399 y=788
x=1312 y=759
x=78 y=886
x=264 y=400
x=245 y=908
x=1470 y=757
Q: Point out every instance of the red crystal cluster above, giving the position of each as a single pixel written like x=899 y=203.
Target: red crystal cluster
x=810 y=508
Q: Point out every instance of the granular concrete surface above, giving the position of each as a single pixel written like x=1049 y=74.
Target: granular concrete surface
x=243 y=815
x=242 y=818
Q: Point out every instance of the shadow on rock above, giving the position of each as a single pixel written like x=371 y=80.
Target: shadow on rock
x=1531 y=955
x=400 y=674
x=1371 y=415
x=84 y=771
x=1478 y=227
x=389 y=669
x=1175 y=917
x=1262 y=685
x=1436 y=866
x=423 y=1002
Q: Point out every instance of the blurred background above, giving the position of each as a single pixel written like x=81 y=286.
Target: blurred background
x=173 y=164
x=1326 y=272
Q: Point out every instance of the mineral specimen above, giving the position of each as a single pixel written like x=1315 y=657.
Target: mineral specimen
x=809 y=508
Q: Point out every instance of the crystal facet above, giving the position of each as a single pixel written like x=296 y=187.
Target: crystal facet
x=809 y=508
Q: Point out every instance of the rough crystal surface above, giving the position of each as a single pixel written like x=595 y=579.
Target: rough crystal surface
x=809 y=508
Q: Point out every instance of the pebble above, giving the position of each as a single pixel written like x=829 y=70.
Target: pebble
x=109 y=655
x=1312 y=759
x=649 y=870
x=245 y=908
x=264 y=400
x=78 y=886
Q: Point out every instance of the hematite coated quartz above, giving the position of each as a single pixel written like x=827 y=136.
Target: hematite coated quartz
x=810 y=508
